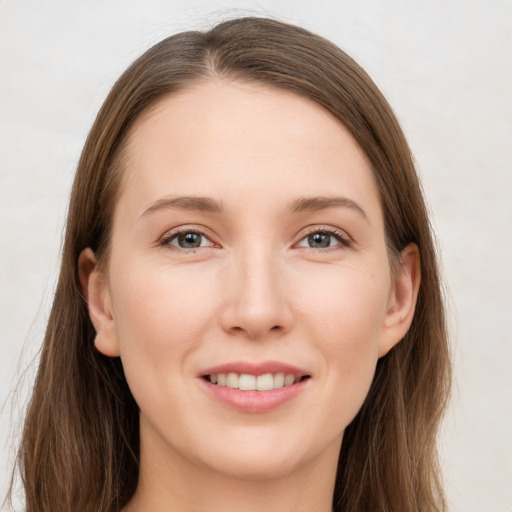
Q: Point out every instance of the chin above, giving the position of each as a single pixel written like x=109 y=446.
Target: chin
x=257 y=468
x=256 y=459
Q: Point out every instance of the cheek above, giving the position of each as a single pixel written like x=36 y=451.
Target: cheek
x=158 y=309
x=346 y=313
x=345 y=306
x=158 y=323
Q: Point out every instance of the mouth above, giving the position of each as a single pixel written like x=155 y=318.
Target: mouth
x=251 y=382
x=255 y=387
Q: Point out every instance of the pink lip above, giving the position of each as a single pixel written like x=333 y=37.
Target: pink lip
x=254 y=401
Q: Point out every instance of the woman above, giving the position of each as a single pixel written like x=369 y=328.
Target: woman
x=249 y=311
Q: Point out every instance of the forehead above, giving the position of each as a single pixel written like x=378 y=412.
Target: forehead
x=224 y=139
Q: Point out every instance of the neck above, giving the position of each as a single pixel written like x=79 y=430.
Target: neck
x=171 y=482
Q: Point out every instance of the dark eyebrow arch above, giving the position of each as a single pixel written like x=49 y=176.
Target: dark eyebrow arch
x=207 y=204
x=311 y=204
x=201 y=204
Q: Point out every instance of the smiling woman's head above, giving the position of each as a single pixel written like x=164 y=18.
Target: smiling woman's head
x=245 y=204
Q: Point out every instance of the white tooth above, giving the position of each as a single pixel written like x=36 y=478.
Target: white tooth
x=289 y=379
x=247 y=382
x=232 y=380
x=278 y=380
x=221 y=379
x=265 y=382
x=213 y=378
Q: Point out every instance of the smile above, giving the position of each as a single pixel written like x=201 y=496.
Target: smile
x=248 y=382
x=254 y=387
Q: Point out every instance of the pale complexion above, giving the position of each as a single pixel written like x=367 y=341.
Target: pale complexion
x=274 y=276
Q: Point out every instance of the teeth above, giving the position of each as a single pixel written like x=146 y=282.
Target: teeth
x=232 y=380
x=265 y=382
x=278 y=380
x=289 y=379
x=248 y=382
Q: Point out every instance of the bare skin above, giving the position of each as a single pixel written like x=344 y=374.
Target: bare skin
x=248 y=230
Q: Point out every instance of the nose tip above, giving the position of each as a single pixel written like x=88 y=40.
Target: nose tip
x=255 y=329
x=256 y=305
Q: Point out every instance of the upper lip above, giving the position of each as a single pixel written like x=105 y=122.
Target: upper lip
x=255 y=368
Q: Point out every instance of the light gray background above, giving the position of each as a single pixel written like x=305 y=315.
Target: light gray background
x=445 y=66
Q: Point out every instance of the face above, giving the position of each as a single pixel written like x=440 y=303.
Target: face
x=248 y=290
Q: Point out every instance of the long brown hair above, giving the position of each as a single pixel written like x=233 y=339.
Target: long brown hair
x=80 y=446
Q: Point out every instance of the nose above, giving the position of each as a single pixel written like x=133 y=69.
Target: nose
x=256 y=305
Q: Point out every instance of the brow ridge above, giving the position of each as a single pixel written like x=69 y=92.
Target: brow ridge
x=203 y=204
x=207 y=204
x=308 y=204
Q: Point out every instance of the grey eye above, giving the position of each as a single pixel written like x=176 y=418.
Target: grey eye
x=188 y=240
x=324 y=239
x=319 y=240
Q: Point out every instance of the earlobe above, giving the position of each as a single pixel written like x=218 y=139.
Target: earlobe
x=96 y=292
x=402 y=300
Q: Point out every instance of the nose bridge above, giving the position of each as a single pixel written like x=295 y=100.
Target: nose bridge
x=258 y=303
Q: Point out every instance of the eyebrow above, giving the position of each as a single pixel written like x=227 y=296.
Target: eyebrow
x=207 y=204
x=312 y=204
x=200 y=204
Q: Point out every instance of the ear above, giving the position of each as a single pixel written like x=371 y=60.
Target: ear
x=402 y=299
x=96 y=291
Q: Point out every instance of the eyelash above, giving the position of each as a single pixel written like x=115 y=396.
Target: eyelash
x=166 y=240
x=341 y=237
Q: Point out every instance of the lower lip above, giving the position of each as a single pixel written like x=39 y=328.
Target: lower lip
x=255 y=401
